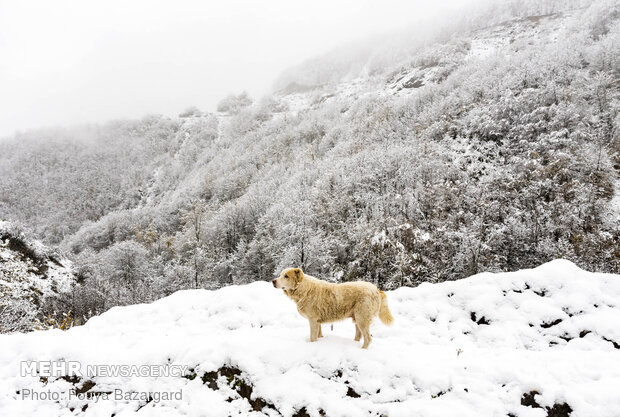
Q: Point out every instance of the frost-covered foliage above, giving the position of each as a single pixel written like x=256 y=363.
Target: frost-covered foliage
x=489 y=345
x=59 y=181
x=491 y=145
x=233 y=104
x=192 y=111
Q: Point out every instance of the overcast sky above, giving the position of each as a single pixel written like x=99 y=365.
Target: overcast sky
x=72 y=62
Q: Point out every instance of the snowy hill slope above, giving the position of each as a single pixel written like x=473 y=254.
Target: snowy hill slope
x=403 y=75
x=530 y=343
x=478 y=148
x=29 y=272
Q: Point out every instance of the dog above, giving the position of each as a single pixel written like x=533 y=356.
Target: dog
x=325 y=302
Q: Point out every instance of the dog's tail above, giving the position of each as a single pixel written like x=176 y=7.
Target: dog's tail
x=384 y=312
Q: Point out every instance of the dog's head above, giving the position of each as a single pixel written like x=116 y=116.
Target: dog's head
x=289 y=279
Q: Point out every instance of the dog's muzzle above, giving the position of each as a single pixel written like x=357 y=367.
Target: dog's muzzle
x=273 y=281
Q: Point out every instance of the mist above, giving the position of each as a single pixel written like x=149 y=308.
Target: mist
x=80 y=62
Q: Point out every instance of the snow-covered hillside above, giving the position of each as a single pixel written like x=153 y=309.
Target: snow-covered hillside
x=530 y=343
x=29 y=272
x=489 y=143
x=407 y=71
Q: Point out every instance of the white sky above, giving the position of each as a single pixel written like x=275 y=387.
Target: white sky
x=82 y=61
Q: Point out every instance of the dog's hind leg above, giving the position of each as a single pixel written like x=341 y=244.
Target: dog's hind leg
x=364 y=326
x=358 y=333
x=315 y=329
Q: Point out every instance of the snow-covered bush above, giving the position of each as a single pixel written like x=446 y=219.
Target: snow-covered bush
x=233 y=104
x=192 y=111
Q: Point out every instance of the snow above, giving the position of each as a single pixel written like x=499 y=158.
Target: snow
x=19 y=276
x=296 y=103
x=483 y=48
x=435 y=358
x=513 y=35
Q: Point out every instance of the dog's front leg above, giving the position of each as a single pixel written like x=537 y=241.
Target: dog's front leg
x=315 y=328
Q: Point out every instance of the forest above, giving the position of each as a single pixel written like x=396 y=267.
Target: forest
x=491 y=145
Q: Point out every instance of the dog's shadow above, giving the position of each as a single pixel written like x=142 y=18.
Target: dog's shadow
x=336 y=340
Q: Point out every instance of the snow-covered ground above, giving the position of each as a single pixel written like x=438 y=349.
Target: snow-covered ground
x=28 y=266
x=29 y=273
x=474 y=347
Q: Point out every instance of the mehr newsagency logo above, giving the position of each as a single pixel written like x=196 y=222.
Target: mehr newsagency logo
x=74 y=371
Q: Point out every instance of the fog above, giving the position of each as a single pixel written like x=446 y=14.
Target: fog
x=81 y=62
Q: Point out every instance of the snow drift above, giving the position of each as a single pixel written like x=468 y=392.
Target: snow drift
x=529 y=343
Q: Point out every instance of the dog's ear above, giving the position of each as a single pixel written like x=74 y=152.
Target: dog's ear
x=299 y=274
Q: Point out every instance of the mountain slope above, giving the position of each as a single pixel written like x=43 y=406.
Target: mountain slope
x=490 y=146
x=492 y=344
x=29 y=273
